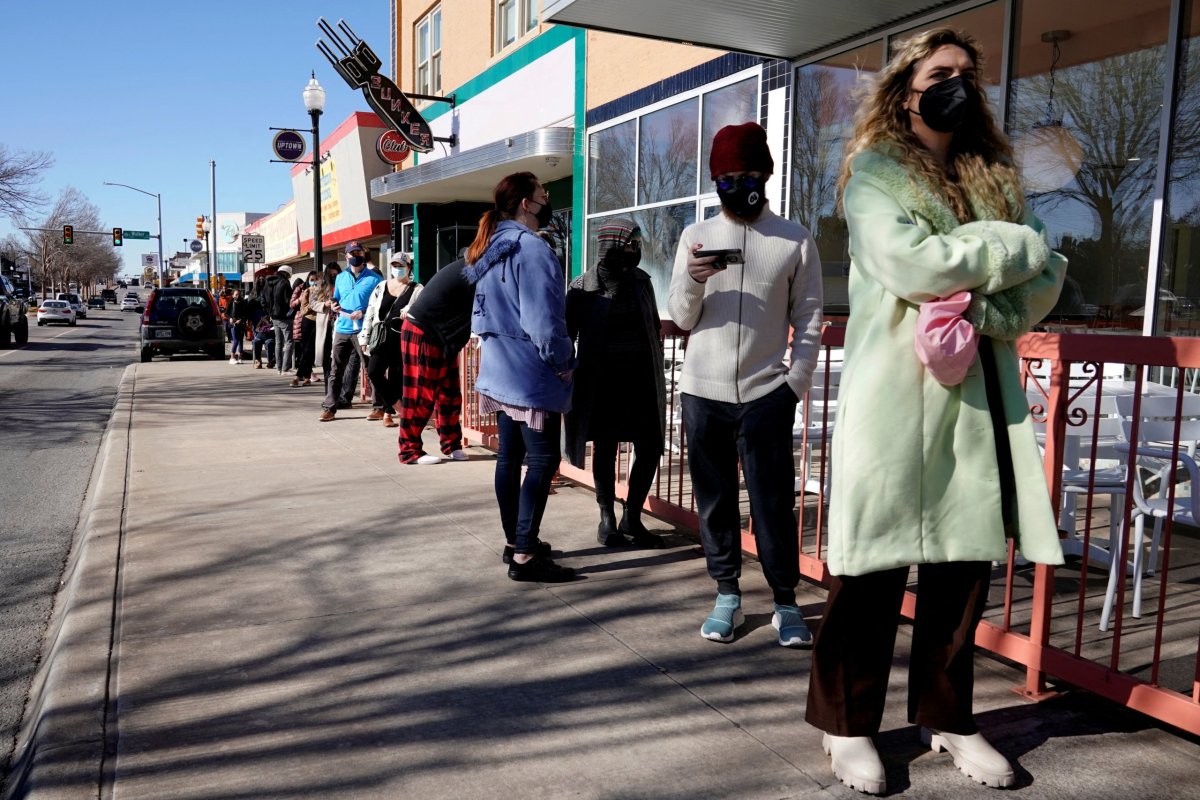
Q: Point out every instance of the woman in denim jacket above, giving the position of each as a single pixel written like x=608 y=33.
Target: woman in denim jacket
x=526 y=363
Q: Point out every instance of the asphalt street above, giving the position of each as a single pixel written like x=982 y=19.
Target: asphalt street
x=56 y=395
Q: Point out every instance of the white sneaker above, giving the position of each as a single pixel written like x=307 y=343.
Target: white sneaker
x=458 y=455
x=974 y=756
x=232 y=360
x=856 y=762
x=428 y=459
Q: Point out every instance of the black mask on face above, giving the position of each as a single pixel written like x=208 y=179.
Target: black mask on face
x=620 y=261
x=945 y=105
x=743 y=196
x=544 y=214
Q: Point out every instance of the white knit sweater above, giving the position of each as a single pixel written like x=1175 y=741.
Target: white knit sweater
x=740 y=318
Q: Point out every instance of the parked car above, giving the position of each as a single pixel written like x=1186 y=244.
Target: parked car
x=132 y=304
x=76 y=303
x=181 y=320
x=109 y=295
x=14 y=323
x=52 y=311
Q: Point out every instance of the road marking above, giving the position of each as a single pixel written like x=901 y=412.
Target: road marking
x=52 y=338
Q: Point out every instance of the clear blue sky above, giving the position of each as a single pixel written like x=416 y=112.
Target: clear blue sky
x=147 y=92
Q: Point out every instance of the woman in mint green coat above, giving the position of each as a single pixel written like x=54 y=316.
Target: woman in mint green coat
x=940 y=476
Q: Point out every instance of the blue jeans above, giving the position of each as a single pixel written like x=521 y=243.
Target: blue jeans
x=264 y=340
x=235 y=331
x=522 y=503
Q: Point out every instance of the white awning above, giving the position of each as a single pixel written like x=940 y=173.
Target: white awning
x=473 y=174
x=775 y=28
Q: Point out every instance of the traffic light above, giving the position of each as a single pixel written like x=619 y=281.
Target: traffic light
x=200 y=228
x=118 y=237
x=68 y=234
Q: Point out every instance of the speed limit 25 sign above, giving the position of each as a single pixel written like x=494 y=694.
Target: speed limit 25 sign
x=254 y=248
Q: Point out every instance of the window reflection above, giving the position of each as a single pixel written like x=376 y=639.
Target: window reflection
x=1109 y=104
x=611 y=167
x=1179 y=311
x=667 y=153
x=824 y=103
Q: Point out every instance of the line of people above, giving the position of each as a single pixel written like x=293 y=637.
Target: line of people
x=933 y=466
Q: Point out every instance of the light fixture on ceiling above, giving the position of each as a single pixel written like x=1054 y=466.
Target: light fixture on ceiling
x=1049 y=154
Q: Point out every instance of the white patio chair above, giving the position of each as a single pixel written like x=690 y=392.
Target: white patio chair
x=813 y=426
x=1108 y=477
x=1153 y=456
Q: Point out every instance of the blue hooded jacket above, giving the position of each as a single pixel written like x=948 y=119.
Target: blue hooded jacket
x=519 y=315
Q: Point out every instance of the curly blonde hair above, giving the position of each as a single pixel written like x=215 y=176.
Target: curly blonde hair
x=979 y=179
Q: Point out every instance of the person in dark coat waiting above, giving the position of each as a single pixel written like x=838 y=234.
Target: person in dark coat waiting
x=620 y=390
x=278 y=297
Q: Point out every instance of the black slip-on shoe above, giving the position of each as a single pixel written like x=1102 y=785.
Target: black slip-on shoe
x=540 y=569
x=542 y=549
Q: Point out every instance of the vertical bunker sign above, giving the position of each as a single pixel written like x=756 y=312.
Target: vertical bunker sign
x=359 y=67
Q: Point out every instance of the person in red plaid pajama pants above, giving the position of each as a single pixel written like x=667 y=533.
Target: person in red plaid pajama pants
x=430 y=386
x=436 y=329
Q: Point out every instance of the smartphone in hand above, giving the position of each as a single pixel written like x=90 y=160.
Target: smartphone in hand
x=724 y=257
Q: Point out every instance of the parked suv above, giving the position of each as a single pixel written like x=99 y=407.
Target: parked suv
x=181 y=320
x=14 y=324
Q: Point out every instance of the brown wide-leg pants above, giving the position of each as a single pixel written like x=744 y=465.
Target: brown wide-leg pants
x=852 y=655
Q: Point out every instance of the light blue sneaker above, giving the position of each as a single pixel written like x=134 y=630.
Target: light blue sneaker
x=726 y=617
x=793 y=632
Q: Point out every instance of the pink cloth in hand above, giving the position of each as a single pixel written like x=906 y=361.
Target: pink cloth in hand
x=945 y=341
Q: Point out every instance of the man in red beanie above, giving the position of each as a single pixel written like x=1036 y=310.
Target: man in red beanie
x=744 y=407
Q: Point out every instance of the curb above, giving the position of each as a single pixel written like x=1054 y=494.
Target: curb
x=61 y=747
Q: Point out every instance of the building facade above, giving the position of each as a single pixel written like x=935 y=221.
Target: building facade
x=517 y=88
x=1099 y=99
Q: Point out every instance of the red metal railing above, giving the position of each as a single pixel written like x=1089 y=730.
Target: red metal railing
x=1046 y=619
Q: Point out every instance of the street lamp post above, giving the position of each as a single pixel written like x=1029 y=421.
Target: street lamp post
x=157 y=197
x=314 y=101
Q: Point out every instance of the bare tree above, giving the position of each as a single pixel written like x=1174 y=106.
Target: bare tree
x=1109 y=107
x=86 y=261
x=20 y=173
x=823 y=108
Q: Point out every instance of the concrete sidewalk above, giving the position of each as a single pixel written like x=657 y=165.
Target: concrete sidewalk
x=294 y=614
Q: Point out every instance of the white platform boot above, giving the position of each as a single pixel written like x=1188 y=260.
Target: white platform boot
x=974 y=756
x=855 y=762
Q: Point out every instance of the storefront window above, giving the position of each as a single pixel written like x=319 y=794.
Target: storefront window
x=645 y=168
x=731 y=105
x=1179 y=293
x=824 y=103
x=611 y=167
x=667 y=153
x=1084 y=117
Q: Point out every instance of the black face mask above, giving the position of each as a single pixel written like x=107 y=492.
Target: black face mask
x=947 y=104
x=620 y=261
x=544 y=214
x=743 y=196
